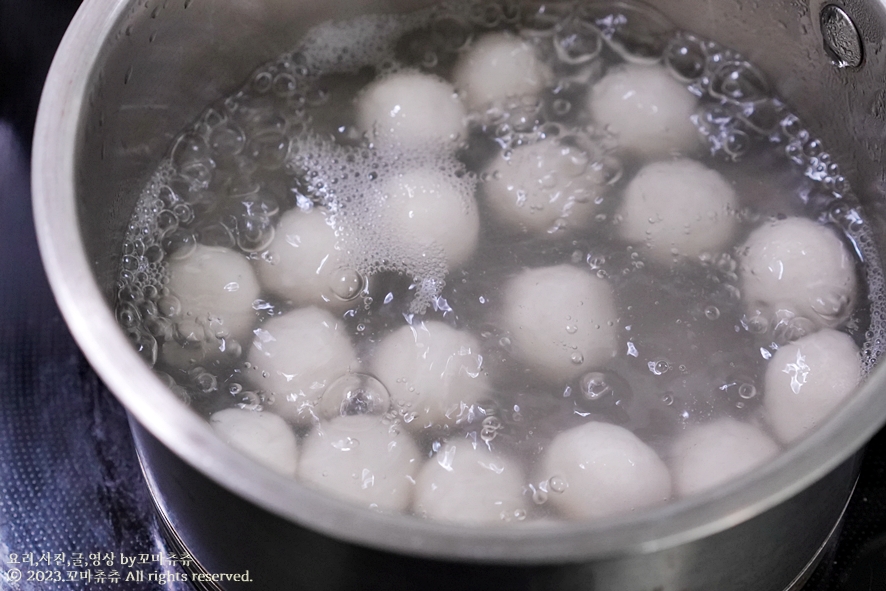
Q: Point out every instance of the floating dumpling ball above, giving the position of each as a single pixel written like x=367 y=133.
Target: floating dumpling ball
x=262 y=436
x=597 y=470
x=542 y=187
x=807 y=380
x=798 y=266
x=361 y=459
x=214 y=289
x=470 y=486
x=498 y=66
x=561 y=320
x=215 y=284
x=410 y=108
x=433 y=372
x=712 y=454
x=431 y=209
x=678 y=208
x=647 y=109
x=306 y=266
x=296 y=356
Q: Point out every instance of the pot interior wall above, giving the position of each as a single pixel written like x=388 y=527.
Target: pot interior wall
x=167 y=61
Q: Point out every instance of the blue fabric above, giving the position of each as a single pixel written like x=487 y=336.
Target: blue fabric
x=69 y=478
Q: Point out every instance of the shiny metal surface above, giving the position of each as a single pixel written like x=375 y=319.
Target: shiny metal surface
x=129 y=75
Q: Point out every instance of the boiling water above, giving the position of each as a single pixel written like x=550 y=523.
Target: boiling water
x=288 y=139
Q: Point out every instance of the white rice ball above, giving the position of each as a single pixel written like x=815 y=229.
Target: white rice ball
x=296 y=356
x=562 y=321
x=470 y=486
x=597 y=470
x=712 y=454
x=542 y=187
x=807 y=380
x=215 y=284
x=678 y=208
x=361 y=459
x=430 y=209
x=215 y=288
x=498 y=66
x=261 y=435
x=647 y=109
x=411 y=108
x=307 y=266
x=433 y=371
x=798 y=266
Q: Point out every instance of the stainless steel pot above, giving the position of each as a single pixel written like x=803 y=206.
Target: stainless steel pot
x=131 y=73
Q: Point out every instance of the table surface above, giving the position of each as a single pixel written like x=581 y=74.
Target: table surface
x=73 y=504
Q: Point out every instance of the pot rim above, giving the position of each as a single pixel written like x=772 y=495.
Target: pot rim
x=95 y=329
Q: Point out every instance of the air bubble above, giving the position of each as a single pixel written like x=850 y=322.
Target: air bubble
x=227 y=140
x=639 y=34
x=542 y=19
x=261 y=82
x=659 y=366
x=739 y=82
x=577 y=42
x=269 y=149
x=757 y=324
x=831 y=305
x=686 y=57
x=712 y=312
x=747 y=391
x=347 y=284
x=190 y=148
x=179 y=244
x=254 y=233
x=561 y=106
x=356 y=394
x=737 y=143
x=557 y=484
x=284 y=85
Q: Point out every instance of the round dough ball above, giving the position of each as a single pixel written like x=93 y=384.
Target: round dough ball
x=498 y=66
x=562 y=321
x=799 y=266
x=432 y=370
x=807 y=380
x=307 y=266
x=410 y=108
x=647 y=110
x=260 y=435
x=602 y=470
x=712 y=454
x=215 y=284
x=296 y=356
x=470 y=486
x=214 y=288
x=361 y=459
x=542 y=187
x=678 y=208
x=429 y=208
